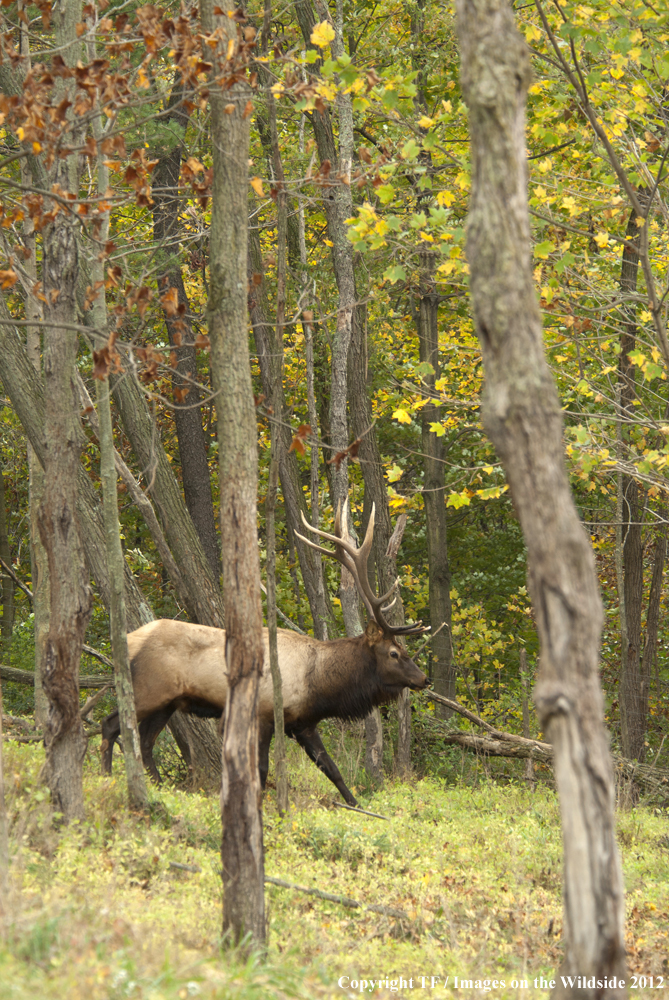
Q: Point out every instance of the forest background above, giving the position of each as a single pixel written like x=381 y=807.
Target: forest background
x=367 y=373
x=358 y=190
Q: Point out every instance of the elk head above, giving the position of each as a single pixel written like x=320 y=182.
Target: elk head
x=395 y=668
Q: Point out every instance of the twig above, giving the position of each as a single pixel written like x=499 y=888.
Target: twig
x=93 y=700
x=185 y=868
x=292 y=625
x=98 y=656
x=19 y=584
x=429 y=639
x=357 y=809
x=332 y=897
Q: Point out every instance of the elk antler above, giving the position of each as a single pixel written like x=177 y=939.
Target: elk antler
x=355 y=561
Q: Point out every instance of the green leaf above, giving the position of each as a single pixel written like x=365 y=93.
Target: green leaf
x=542 y=250
x=394 y=273
x=458 y=500
x=395 y=473
x=386 y=193
x=438 y=429
x=410 y=150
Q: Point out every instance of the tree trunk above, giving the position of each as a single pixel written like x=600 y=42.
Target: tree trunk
x=242 y=844
x=205 y=602
x=7 y=582
x=434 y=493
x=26 y=391
x=289 y=473
x=523 y=418
x=338 y=205
x=632 y=500
x=276 y=399
x=4 y=836
x=187 y=414
x=132 y=755
x=652 y=624
x=70 y=593
x=39 y=568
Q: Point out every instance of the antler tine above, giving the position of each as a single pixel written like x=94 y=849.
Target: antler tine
x=355 y=561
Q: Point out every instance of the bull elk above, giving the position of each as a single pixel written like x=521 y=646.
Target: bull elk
x=180 y=666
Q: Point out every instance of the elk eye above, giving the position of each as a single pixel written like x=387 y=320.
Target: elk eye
x=394 y=654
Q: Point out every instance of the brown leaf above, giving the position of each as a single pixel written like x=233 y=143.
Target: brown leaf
x=170 y=302
x=248 y=110
x=202 y=342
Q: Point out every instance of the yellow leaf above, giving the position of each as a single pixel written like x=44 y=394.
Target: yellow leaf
x=601 y=239
x=256 y=184
x=322 y=34
x=426 y=236
x=402 y=416
x=445 y=198
x=425 y=122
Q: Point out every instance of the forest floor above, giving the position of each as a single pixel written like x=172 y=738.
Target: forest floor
x=98 y=913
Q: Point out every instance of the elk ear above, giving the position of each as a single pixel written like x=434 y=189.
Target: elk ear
x=373 y=633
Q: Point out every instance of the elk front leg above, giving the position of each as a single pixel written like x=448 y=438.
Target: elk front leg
x=310 y=740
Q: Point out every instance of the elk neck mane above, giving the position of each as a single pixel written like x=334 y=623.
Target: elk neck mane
x=345 y=684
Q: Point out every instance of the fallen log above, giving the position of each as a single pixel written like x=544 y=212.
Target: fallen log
x=27 y=677
x=652 y=780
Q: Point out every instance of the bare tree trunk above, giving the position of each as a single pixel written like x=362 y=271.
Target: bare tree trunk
x=134 y=767
x=310 y=565
x=523 y=418
x=205 y=602
x=132 y=755
x=4 y=835
x=242 y=845
x=187 y=414
x=26 y=391
x=652 y=624
x=631 y=503
x=38 y=562
x=434 y=492
x=7 y=582
x=70 y=593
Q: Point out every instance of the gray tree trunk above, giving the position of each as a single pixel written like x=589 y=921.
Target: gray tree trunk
x=187 y=414
x=7 y=582
x=242 y=844
x=434 y=493
x=523 y=418
x=289 y=473
x=58 y=524
x=38 y=562
x=4 y=836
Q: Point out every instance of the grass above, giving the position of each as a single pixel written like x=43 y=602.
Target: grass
x=97 y=912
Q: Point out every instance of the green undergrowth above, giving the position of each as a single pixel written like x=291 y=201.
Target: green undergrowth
x=98 y=913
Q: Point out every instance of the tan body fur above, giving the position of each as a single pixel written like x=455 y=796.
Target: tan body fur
x=181 y=666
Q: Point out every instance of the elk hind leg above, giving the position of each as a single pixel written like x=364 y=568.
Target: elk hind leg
x=311 y=742
x=111 y=730
x=149 y=731
x=265 y=730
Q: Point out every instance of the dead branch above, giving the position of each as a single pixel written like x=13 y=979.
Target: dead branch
x=356 y=809
x=387 y=911
x=27 y=677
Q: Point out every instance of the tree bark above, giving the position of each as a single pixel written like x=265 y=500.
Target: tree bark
x=205 y=596
x=38 y=562
x=633 y=709
x=289 y=473
x=434 y=493
x=70 y=592
x=26 y=391
x=242 y=844
x=7 y=582
x=187 y=414
x=4 y=835
x=523 y=418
